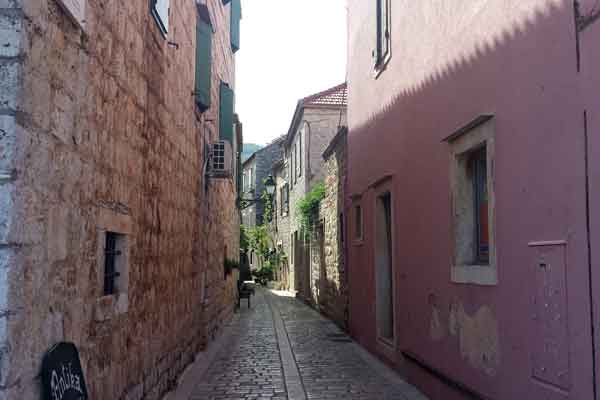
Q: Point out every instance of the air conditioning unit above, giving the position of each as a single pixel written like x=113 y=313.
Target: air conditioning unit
x=221 y=159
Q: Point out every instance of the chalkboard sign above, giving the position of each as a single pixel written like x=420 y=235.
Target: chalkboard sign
x=62 y=377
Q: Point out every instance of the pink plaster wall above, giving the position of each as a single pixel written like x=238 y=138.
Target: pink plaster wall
x=450 y=63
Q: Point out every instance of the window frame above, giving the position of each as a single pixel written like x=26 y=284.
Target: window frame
x=285 y=199
x=466 y=267
x=162 y=23
x=295 y=163
x=109 y=306
x=358 y=234
x=381 y=57
x=300 y=152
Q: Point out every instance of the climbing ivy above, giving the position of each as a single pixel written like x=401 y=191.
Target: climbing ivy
x=308 y=207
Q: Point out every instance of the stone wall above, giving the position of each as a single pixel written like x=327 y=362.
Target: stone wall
x=280 y=230
x=109 y=138
x=322 y=127
x=265 y=158
x=329 y=271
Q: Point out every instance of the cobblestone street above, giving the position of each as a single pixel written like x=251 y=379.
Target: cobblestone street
x=282 y=349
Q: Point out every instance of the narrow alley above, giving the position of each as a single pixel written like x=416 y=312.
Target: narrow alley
x=313 y=359
x=401 y=194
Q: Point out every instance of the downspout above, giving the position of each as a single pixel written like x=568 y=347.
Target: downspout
x=589 y=251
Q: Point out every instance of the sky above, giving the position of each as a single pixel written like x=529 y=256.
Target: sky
x=290 y=49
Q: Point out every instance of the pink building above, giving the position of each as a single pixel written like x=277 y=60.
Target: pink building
x=474 y=177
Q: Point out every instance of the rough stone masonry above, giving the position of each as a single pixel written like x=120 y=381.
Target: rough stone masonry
x=99 y=133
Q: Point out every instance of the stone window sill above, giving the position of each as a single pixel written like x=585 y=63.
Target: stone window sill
x=484 y=275
x=109 y=307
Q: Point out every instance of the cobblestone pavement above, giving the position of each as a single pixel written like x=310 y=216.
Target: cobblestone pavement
x=285 y=350
x=250 y=367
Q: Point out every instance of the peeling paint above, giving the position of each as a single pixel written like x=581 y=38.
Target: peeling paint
x=437 y=330
x=478 y=337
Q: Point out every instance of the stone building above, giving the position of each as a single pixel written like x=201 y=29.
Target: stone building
x=280 y=225
x=328 y=247
x=254 y=172
x=316 y=121
x=116 y=216
x=255 y=169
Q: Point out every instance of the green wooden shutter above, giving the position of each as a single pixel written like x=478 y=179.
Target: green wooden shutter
x=236 y=16
x=226 y=113
x=203 y=64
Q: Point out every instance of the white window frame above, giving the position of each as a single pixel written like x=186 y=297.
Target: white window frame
x=160 y=12
x=382 y=58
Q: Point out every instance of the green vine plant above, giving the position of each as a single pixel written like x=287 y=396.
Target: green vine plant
x=308 y=208
x=268 y=206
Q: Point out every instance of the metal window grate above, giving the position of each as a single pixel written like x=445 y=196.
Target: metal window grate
x=219 y=156
x=110 y=263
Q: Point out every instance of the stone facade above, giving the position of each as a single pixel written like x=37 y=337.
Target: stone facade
x=260 y=163
x=249 y=191
x=328 y=269
x=99 y=133
x=315 y=122
x=280 y=226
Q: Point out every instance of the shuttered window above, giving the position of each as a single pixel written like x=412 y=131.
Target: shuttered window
x=160 y=12
x=226 y=113
x=204 y=34
x=236 y=16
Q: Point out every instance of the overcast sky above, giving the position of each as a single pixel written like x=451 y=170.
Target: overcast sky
x=289 y=49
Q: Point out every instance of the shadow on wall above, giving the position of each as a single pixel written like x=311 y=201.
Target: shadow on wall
x=526 y=75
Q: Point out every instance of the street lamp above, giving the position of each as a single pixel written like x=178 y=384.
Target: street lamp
x=270 y=187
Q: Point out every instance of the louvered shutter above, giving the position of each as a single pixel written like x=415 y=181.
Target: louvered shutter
x=236 y=16
x=203 y=64
x=226 y=113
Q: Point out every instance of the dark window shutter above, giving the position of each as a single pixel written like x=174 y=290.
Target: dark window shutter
x=226 y=113
x=236 y=16
x=203 y=64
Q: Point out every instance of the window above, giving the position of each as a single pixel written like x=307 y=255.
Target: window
x=383 y=50
x=291 y=167
x=160 y=12
x=295 y=163
x=342 y=233
x=300 y=152
x=478 y=169
x=114 y=262
x=248 y=178
x=474 y=259
x=204 y=36
x=358 y=223
x=285 y=199
x=226 y=113
x=114 y=232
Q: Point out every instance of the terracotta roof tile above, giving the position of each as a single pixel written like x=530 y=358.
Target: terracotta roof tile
x=335 y=96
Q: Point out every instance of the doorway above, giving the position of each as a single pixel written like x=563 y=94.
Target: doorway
x=384 y=269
